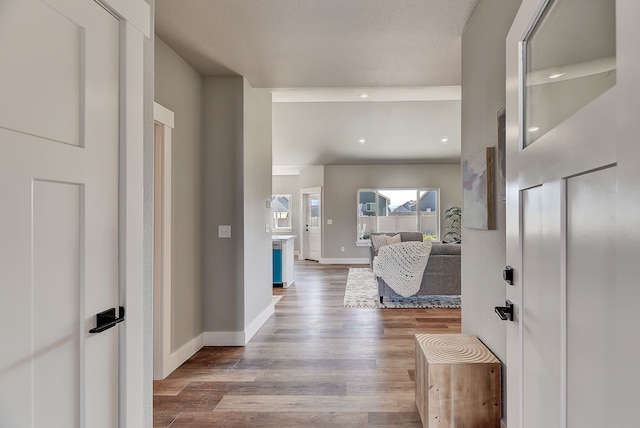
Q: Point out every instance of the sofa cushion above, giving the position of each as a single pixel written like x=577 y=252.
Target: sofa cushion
x=404 y=236
x=395 y=239
x=378 y=241
x=446 y=249
x=410 y=236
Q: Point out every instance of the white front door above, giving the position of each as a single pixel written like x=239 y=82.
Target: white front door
x=59 y=223
x=561 y=214
x=313 y=227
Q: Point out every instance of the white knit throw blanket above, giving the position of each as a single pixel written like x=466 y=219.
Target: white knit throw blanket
x=401 y=265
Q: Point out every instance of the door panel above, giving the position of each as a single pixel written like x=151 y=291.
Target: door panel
x=33 y=75
x=313 y=229
x=56 y=302
x=60 y=217
x=540 y=313
x=591 y=273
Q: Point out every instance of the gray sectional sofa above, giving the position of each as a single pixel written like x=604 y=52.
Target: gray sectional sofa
x=441 y=275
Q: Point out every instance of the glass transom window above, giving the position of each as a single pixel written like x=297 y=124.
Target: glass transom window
x=570 y=60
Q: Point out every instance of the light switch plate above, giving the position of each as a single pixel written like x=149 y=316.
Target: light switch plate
x=329 y=221
x=224 y=231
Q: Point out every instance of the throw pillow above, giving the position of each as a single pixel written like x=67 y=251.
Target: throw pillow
x=395 y=239
x=378 y=241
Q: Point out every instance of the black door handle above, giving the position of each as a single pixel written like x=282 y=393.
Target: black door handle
x=505 y=312
x=107 y=319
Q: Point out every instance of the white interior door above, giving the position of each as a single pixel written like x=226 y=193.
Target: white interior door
x=313 y=226
x=59 y=229
x=561 y=218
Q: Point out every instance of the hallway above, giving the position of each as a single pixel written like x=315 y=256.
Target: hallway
x=313 y=364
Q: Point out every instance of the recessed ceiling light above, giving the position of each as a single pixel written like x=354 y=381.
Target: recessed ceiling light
x=444 y=140
x=556 y=75
x=364 y=95
x=533 y=129
x=362 y=141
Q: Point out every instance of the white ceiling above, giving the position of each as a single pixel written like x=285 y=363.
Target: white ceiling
x=332 y=133
x=334 y=50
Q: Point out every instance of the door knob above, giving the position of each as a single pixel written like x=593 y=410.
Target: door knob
x=505 y=312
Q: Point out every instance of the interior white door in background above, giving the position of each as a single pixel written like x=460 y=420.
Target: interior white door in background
x=59 y=224
x=561 y=214
x=313 y=227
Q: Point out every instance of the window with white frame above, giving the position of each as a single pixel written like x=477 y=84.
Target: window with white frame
x=398 y=210
x=281 y=213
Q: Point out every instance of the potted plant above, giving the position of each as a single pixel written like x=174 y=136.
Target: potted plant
x=452 y=232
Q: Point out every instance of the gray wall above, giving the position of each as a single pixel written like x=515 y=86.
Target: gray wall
x=312 y=176
x=290 y=185
x=178 y=87
x=222 y=199
x=483 y=94
x=341 y=183
x=258 y=286
x=236 y=163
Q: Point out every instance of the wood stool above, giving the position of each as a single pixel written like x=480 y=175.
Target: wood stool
x=457 y=382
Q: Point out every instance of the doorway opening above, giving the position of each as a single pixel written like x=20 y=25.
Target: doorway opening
x=163 y=126
x=311 y=227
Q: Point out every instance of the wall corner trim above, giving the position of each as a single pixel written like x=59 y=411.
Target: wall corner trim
x=238 y=338
x=258 y=322
x=186 y=351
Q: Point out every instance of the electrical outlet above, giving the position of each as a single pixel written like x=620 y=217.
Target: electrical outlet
x=342 y=249
x=266 y=228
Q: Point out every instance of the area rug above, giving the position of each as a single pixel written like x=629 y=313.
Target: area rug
x=362 y=292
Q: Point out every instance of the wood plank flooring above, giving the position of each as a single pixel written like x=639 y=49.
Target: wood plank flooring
x=313 y=364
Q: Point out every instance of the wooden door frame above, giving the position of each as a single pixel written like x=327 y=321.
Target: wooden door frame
x=303 y=211
x=163 y=129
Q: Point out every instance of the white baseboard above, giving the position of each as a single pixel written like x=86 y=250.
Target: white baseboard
x=345 y=261
x=186 y=351
x=238 y=338
x=258 y=322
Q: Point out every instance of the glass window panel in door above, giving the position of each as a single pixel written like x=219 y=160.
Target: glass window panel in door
x=570 y=60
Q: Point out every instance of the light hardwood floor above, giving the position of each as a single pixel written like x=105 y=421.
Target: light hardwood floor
x=313 y=364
